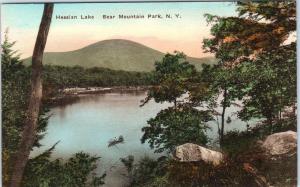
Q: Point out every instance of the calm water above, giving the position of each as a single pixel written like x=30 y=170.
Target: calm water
x=91 y=122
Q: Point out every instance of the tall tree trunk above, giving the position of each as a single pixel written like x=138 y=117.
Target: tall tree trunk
x=224 y=105
x=31 y=121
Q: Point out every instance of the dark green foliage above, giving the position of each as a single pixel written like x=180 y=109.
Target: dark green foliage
x=128 y=162
x=171 y=78
x=40 y=171
x=255 y=66
x=281 y=12
x=251 y=47
x=15 y=91
x=260 y=26
x=14 y=95
x=215 y=88
x=146 y=172
x=59 y=77
x=181 y=123
x=243 y=147
x=263 y=67
x=80 y=77
x=175 y=126
x=236 y=142
x=270 y=83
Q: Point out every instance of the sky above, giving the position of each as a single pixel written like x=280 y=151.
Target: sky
x=166 y=35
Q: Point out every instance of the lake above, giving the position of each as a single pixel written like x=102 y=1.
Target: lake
x=88 y=124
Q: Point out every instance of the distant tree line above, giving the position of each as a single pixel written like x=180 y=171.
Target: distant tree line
x=77 y=76
x=60 y=77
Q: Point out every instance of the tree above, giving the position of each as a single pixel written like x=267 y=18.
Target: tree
x=40 y=170
x=255 y=42
x=214 y=88
x=14 y=94
x=260 y=26
x=269 y=82
x=146 y=172
x=29 y=130
x=175 y=126
x=75 y=171
x=180 y=123
x=15 y=89
x=171 y=77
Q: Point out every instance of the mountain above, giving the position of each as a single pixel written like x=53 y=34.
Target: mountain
x=114 y=54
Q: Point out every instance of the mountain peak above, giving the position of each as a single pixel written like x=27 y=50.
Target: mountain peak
x=116 y=54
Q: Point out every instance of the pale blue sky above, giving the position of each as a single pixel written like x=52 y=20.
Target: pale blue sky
x=23 y=21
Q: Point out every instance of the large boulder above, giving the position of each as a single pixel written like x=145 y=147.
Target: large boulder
x=282 y=143
x=192 y=153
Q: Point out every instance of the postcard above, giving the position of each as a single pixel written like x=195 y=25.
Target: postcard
x=149 y=94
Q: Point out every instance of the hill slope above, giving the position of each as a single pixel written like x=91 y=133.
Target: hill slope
x=113 y=54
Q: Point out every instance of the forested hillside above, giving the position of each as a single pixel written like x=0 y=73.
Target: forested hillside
x=113 y=54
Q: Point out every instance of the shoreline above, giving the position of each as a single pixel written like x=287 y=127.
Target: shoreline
x=71 y=95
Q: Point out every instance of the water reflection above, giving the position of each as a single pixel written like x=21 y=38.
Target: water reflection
x=89 y=123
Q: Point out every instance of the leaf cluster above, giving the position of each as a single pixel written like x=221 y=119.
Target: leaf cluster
x=76 y=171
x=175 y=126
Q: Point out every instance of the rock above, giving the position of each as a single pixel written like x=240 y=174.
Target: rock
x=281 y=143
x=191 y=153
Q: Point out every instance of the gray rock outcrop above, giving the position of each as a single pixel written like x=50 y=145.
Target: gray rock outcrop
x=281 y=143
x=191 y=153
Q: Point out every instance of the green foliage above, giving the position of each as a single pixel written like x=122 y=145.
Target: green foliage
x=171 y=76
x=40 y=171
x=175 y=126
x=113 y=54
x=178 y=124
x=128 y=162
x=260 y=26
x=269 y=82
x=147 y=172
x=58 y=77
x=15 y=91
x=80 y=77
x=252 y=47
x=238 y=142
x=225 y=43
x=215 y=79
x=215 y=89
x=282 y=12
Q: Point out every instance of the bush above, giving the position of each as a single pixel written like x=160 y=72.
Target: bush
x=175 y=126
x=76 y=171
x=147 y=172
